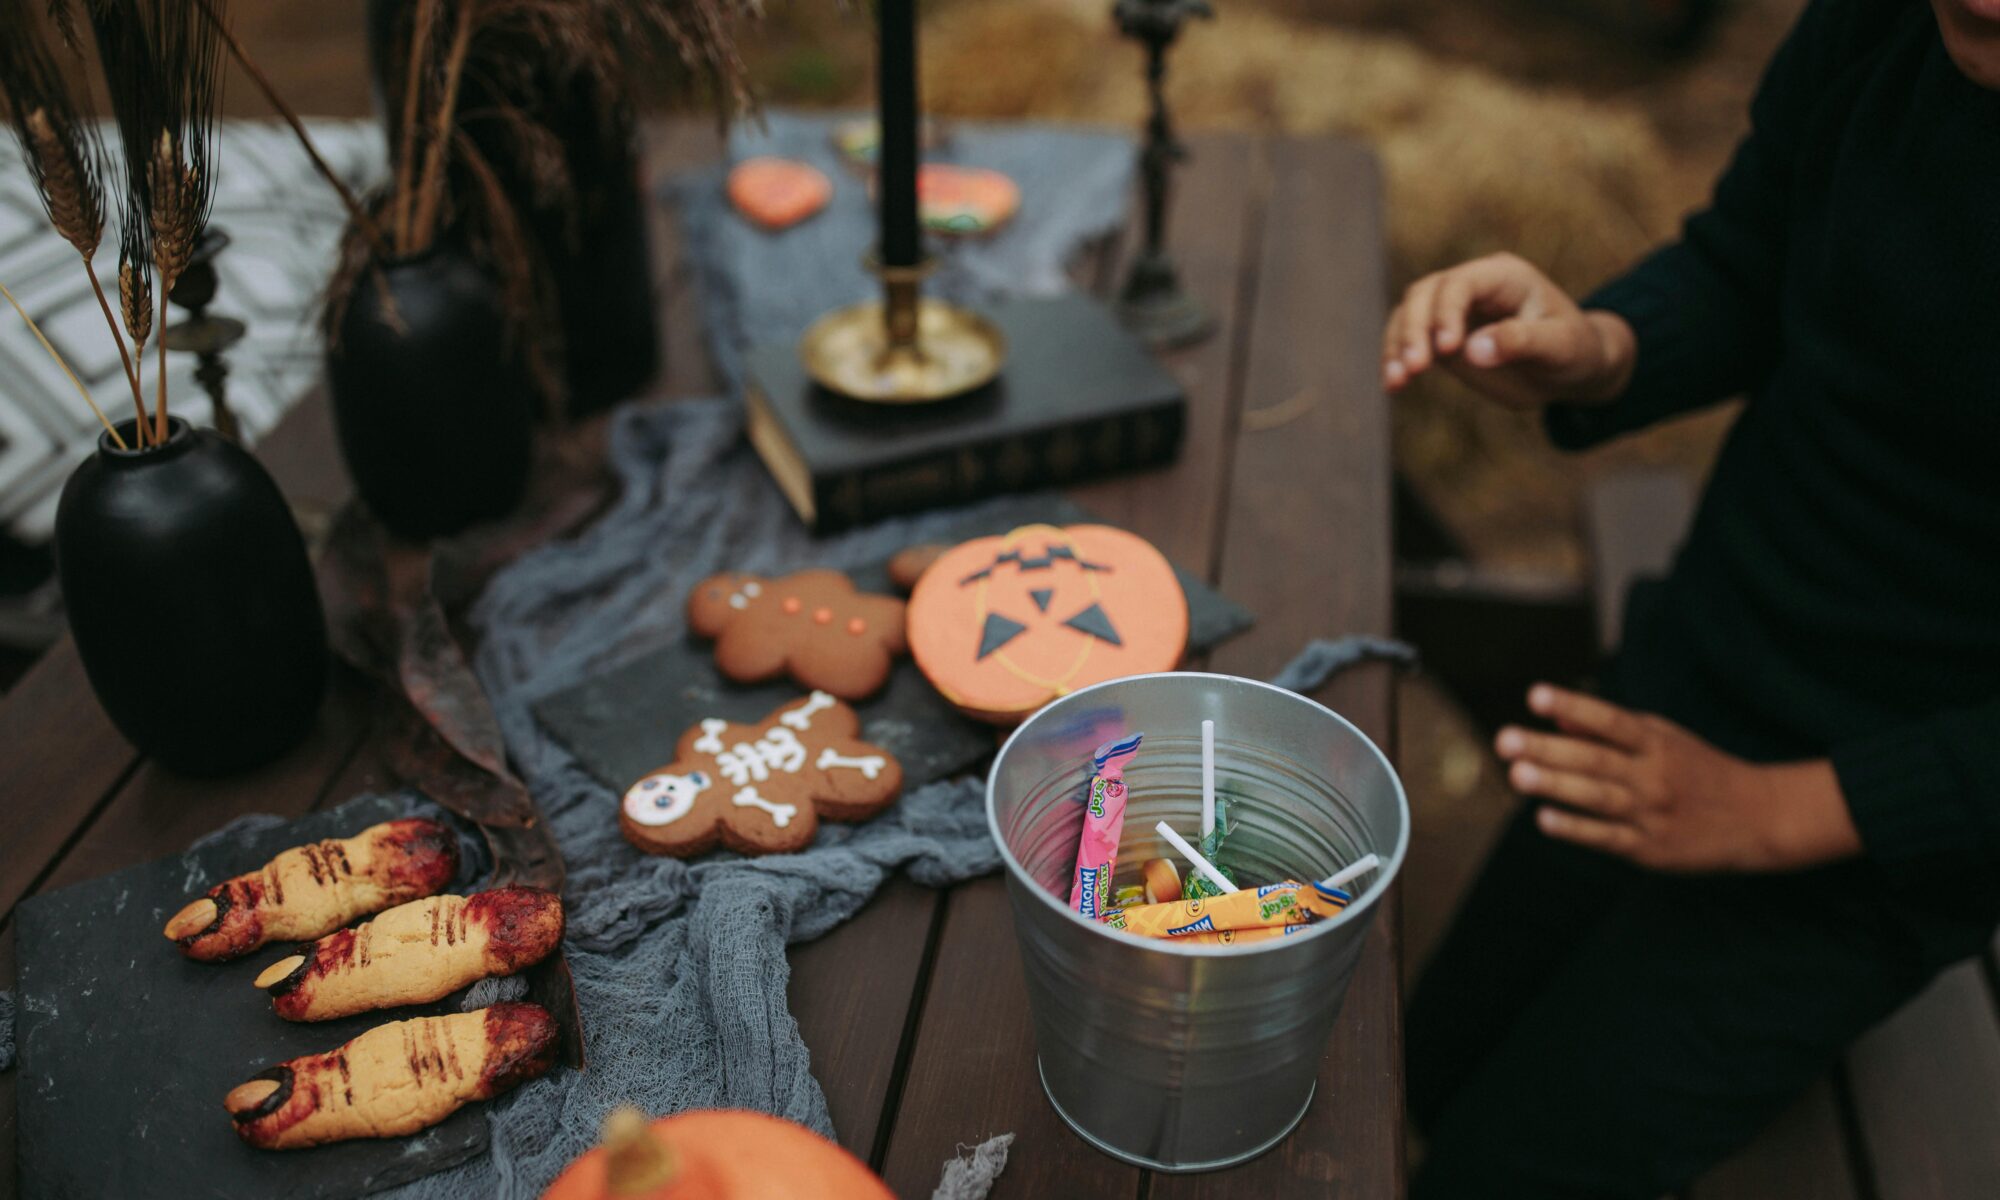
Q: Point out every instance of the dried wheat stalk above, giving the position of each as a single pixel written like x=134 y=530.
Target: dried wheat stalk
x=162 y=68
x=64 y=364
x=61 y=148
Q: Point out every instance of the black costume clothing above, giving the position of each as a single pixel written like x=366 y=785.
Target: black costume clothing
x=1589 y=1029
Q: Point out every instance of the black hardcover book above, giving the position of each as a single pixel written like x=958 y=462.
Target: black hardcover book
x=1079 y=398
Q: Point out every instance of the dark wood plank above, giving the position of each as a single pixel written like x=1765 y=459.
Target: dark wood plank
x=851 y=993
x=963 y=1088
x=62 y=760
x=1176 y=508
x=667 y=147
x=9 y=1136
x=1926 y=1089
x=1803 y=1153
x=159 y=813
x=1306 y=544
x=973 y=1071
x=1634 y=521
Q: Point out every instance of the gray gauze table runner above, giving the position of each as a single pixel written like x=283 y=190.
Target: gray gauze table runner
x=757 y=286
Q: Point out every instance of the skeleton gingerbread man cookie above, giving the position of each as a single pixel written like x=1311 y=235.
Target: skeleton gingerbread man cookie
x=811 y=625
x=762 y=788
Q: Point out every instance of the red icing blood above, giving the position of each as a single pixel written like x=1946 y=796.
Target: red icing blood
x=520 y=1044
x=237 y=928
x=296 y=1099
x=524 y=924
x=420 y=856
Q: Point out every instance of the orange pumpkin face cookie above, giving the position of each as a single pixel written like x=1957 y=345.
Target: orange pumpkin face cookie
x=1003 y=625
x=811 y=625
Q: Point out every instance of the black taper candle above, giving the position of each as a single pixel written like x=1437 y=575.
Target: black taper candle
x=896 y=92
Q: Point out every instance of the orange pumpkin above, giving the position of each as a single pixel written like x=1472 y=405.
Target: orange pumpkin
x=1003 y=625
x=714 y=1154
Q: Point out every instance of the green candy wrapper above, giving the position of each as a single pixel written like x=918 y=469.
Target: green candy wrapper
x=1195 y=884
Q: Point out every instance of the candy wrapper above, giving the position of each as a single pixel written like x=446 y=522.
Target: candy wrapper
x=1103 y=822
x=1197 y=885
x=1271 y=907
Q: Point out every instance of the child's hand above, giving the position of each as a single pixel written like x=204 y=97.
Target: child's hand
x=1499 y=324
x=1641 y=787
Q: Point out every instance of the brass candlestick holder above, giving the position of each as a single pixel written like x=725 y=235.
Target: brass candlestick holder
x=906 y=348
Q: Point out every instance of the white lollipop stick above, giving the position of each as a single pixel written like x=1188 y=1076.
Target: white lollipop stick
x=1194 y=857
x=1207 y=778
x=1359 y=867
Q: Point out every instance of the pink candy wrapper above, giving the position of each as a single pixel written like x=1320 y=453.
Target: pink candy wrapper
x=1103 y=822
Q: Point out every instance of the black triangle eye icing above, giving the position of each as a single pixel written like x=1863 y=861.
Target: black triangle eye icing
x=1097 y=623
x=997 y=633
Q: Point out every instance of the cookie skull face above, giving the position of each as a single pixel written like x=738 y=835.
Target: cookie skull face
x=664 y=797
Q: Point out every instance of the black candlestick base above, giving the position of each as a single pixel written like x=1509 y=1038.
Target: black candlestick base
x=1153 y=306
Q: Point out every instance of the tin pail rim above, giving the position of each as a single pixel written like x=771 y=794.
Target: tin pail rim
x=1392 y=862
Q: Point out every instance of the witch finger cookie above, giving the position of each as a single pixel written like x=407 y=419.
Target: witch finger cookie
x=761 y=788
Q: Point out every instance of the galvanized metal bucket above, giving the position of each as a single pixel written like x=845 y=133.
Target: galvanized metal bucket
x=1171 y=1056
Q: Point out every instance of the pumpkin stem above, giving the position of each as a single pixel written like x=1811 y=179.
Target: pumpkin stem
x=638 y=1162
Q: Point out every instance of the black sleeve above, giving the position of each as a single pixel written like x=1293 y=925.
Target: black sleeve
x=1706 y=308
x=1926 y=797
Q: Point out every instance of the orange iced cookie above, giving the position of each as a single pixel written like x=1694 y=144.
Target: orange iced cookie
x=778 y=193
x=965 y=201
x=1003 y=625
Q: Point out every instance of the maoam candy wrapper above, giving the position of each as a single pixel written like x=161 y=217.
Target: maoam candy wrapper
x=1103 y=821
x=1273 y=906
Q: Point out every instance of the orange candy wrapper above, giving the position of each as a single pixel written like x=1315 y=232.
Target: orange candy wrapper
x=1268 y=911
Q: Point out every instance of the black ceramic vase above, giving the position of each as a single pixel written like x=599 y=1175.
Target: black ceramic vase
x=434 y=407
x=191 y=600
x=595 y=245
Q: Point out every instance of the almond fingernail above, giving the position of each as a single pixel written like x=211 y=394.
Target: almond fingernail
x=246 y=1096
x=278 y=970
x=192 y=919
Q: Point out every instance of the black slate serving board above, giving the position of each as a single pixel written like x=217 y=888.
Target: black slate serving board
x=623 y=722
x=127 y=1048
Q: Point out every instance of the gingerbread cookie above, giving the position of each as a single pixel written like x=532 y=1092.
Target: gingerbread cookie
x=908 y=565
x=811 y=625
x=763 y=788
x=1003 y=625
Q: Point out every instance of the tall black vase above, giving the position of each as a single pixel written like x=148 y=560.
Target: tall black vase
x=192 y=601
x=599 y=266
x=434 y=407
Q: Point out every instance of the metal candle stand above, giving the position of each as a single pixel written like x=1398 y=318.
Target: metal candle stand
x=904 y=348
x=1152 y=304
x=205 y=336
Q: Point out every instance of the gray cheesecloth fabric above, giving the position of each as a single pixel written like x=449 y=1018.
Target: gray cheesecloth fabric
x=680 y=967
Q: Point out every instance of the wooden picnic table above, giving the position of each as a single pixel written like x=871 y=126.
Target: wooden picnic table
x=915 y=1011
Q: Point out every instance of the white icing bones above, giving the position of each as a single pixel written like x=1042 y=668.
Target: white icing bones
x=665 y=797
x=781 y=814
